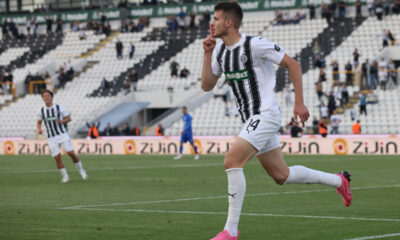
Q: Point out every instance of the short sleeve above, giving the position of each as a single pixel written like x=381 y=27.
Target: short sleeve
x=39 y=116
x=216 y=67
x=268 y=51
x=63 y=112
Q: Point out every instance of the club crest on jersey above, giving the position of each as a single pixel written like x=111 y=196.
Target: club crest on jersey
x=243 y=58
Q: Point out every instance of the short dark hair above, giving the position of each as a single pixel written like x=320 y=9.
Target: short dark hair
x=48 y=91
x=184 y=107
x=232 y=8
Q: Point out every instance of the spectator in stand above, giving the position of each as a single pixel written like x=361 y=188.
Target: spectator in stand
x=316 y=49
x=345 y=95
x=82 y=33
x=320 y=62
x=135 y=131
x=357 y=127
x=192 y=24
x=358 y=9
x=131 y=50
x=331 y=103
x=206 y=19
x=336 y=119
x=49 y=24
x=288 y=94
x=392 y=74
x=363 y=104
x=349 y=73
x=335 y=73
x=353 y=114
x=160 y=130
x=182 y=15
x=119 y=47
x=370 y=5
x=391 y=38
x=8 y=81
x=319 y=90
x=28 y=25
x=108 y=131
x=134 y=79
x=385 y=38
x=184 y=72
x=342 y=9
x=132 y=26
x=373 y=75
x=396 y=7
x=365 y=74
x=323 y=111
x=386 y=7
x=104 y=84
x=35 y=27
x=107 y=29
x=59 y=25
x=295 y=130
x=4 y=29
x=311 y=8
x=93 y=130
x=322 y=75
x=315 y=126
x=331 y=11
x=103 y=19
x=323 y=128
x=124 y=26
x=126 y=131
x=174 y=68
x=379 y=10
x=172 y=24
x=21 y=31
x=382 y=74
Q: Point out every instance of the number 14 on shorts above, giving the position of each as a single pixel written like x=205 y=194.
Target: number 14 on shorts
x=253 y=124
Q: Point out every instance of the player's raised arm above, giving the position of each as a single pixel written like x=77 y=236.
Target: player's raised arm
x=295 y=74
x=208 y=79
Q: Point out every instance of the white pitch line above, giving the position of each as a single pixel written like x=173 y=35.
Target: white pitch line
x=224 y=196
x=377 y=236
x=117 y=168
x=242 y=214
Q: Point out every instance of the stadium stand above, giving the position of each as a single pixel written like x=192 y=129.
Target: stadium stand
x=86 y=99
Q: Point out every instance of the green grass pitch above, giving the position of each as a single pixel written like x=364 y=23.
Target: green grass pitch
x=158 y=198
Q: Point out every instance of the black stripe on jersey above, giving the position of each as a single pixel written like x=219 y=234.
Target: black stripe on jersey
x=45 y=123
x=255 y=91
x=59 y=117
x=240 y=84
x=49 y=124
x=219 y=56
x=55 y=124
x=227 y=68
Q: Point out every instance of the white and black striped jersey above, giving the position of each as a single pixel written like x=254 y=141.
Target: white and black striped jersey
x=49 y=117
x=248 y=68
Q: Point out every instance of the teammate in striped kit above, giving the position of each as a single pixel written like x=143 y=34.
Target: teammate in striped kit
x=247 y=63
x=55 y=118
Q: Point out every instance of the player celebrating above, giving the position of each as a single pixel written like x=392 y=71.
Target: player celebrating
x=247 y=64
x=55 y=118
x=187 y=134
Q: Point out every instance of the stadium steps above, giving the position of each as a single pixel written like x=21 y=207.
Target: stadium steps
x=330 y=38
x=176 y=41
x=99 y=45
x=88 y=66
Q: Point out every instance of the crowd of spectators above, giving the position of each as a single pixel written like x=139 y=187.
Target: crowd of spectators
x=282 y=18
x=38 y=87
x=185 y=21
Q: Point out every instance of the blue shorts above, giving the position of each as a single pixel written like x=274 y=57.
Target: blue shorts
x=187 y=137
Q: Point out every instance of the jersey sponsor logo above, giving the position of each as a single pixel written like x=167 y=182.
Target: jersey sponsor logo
x=243 y=58
x=50 y=119
x=277 y=48
x=237 y=75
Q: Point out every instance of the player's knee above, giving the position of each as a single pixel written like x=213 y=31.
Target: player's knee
x=280 y=179
x=230 y=162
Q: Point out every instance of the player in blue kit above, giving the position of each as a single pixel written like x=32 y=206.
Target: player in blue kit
x=187 y=134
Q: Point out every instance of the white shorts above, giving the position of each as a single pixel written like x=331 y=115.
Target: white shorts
x=59 y=141
x=261 y=131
